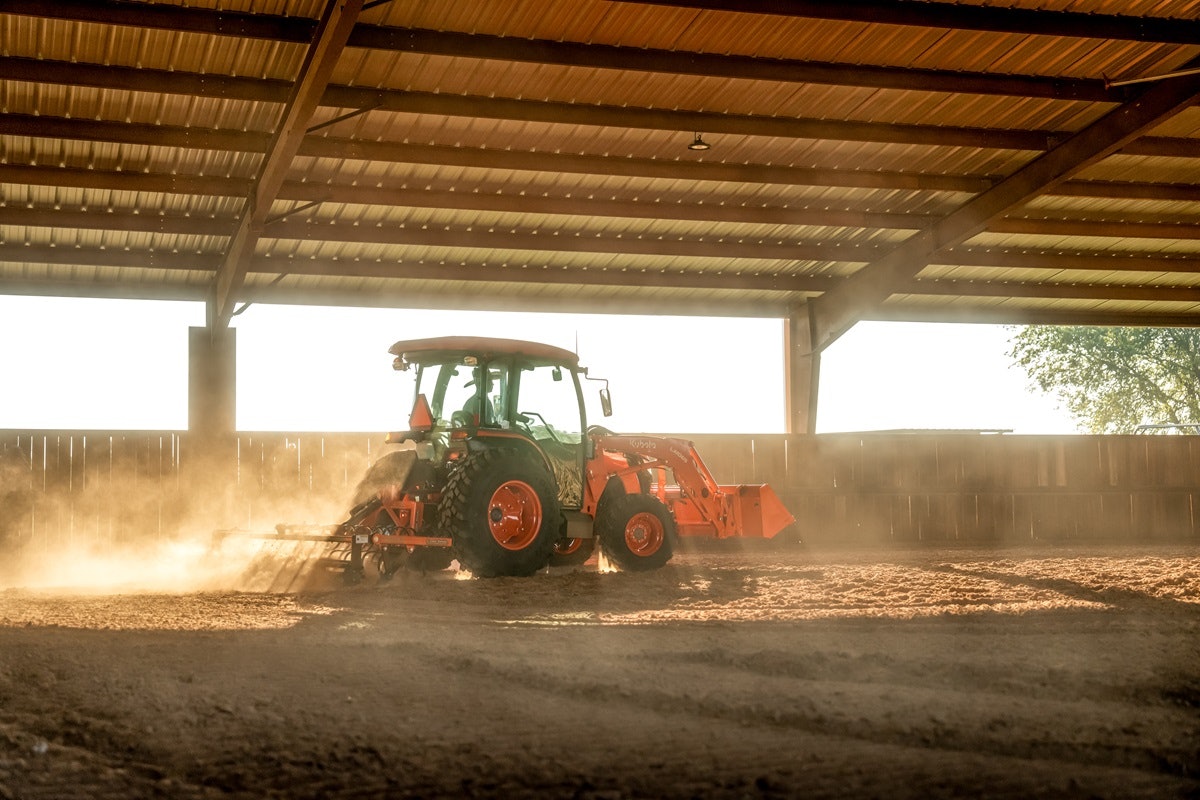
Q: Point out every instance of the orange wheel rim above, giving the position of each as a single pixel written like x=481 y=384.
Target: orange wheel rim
x=514 y=515
x=565 y=547
x=644 y=534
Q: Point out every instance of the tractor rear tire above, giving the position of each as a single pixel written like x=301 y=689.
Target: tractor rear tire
x=636 y=532
x=502 y=509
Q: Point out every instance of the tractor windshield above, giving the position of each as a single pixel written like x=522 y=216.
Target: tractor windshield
x=540 y=400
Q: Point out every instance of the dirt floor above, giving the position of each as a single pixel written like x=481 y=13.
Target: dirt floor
x=1045 y=672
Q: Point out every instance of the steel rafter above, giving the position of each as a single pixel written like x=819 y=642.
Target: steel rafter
x=572 y=54
x=230 y=87
x=960 y=16
x=836 y=311
x=319 y=61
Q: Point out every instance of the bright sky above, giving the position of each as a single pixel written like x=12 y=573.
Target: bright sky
x=113 y=364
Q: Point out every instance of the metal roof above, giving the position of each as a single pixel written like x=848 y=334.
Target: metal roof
x=1010 y=160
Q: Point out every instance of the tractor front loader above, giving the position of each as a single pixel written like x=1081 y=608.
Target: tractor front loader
x=499 y=470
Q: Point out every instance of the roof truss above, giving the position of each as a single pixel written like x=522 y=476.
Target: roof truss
x=1007 y=206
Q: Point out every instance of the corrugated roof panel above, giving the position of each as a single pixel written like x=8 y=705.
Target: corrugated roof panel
x=94 y=43
x=588 y=85
x=1112 y=208
x=1185 y=123
x=521 y=259
x=93 y=103
x=587 y=226
x=776 y=36
x=1145 y=169
x=1085 y=243
x=130 y=157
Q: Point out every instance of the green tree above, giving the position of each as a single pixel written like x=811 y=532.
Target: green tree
x=1114 y=379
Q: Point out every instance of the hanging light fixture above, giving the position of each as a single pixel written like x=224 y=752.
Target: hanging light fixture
x=699 y=144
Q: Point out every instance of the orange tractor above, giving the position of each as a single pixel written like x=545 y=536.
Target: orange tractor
x=499 y=469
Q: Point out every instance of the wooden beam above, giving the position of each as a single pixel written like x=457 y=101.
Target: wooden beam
x=839 y=309
x=956 y=16
x=319 y=61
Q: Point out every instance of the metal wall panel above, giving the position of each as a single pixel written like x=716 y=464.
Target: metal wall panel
x=73 y=489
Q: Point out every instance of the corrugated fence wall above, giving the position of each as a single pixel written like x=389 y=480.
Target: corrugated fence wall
x=64 y=488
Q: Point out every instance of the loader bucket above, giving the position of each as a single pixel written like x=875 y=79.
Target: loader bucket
x=761 y=512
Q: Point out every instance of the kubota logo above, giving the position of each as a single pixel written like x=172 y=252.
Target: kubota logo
x=642 y=444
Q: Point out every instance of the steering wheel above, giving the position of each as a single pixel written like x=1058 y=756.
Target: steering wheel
x=599 y=430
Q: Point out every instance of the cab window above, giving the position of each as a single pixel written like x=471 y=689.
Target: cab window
x=549 y=405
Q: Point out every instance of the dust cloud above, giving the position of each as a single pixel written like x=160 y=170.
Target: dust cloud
x=126 y=533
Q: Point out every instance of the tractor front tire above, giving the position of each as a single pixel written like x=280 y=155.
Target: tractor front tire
x=636 y=531
x=502 y=509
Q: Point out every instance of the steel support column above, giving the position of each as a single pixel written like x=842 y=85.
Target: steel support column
x=212 y=393
x=802 y=367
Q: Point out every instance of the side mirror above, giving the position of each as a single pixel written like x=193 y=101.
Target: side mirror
x=606 y=402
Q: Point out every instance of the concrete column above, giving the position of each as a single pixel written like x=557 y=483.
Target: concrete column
x=802 y=365
x=212 y=362
x=208 y=466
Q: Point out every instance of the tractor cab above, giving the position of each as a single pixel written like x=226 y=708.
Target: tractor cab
x=475 y=393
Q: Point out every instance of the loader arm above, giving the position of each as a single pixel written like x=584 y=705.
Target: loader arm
x=700 y=505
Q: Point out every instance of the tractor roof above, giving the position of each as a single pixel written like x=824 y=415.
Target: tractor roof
x=451 y=347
